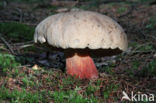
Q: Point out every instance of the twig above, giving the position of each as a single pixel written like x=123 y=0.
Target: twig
x=3 y=48
x=110 y=1
x=103 y=1
x=25 y=46
x=151 y=36
x=21 y=45
x=143 y=52
x=20 y=14
x=141 y=45
x=7 y=44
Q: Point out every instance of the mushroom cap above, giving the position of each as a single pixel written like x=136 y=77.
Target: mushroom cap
x=81 y=29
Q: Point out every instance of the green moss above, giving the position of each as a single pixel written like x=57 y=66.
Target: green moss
x=147 y=47
x=27 y=81
x=7 y=62
x=17 y=96
x=16 y=32
x=121 y=10
x=91 y=89
x=149 y=70
x=108 y=89
x=108 y=69
x=133 y=44
x=151 y=23
x=142 y=47
x=71 y=97
x=135 y=65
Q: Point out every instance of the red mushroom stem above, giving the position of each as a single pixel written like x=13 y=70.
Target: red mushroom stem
x=81 y=66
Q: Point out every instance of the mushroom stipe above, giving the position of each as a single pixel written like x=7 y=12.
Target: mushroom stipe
x=81 y=66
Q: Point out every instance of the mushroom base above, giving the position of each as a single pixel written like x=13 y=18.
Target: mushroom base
x=81 y=66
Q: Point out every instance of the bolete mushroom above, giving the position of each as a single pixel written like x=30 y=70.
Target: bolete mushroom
x=81 y=34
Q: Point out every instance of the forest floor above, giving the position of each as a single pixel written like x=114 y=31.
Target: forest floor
x=27 y=75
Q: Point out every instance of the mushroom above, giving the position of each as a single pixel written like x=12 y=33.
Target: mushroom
x=82 y=34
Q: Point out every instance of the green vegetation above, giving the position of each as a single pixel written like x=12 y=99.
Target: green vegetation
x=71 y=97
x=149 y=70
x=91 y=89
x=147 y=47
x=135 y=65
x=121 y=10
x=22 y=96
x=17 y=32
x=109 y=89
x=27 y=81
x=16 y=96
x=7 y=62
x=92 y=4
x=142 y=47
x=151 y=23
x=66 y=82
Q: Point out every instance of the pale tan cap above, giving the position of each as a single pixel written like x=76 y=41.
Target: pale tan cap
x=81 y=29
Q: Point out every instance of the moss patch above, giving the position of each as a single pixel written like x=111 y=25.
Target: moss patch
x=16 y=32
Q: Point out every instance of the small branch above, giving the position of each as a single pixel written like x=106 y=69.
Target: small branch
x=20 y=45
x=23 y=43
x=7 y=44
x=20 y=14
x=151 y=36
x=103 y=1
x=143 y=52
x=110 y=1
x=25 y=46
x=3 y=48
